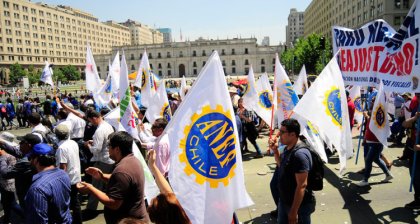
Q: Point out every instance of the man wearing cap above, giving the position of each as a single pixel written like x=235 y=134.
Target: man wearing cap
x=48 y=198
x=124 y=195
x=67 y=157
x=22 y=171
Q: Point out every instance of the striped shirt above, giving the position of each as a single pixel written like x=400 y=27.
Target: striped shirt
x=48 y=198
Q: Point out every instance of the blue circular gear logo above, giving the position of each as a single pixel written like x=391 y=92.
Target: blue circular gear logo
x=332 y=103
x=265 y=99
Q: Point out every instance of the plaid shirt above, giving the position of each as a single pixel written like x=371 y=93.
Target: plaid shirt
x=7 y=161
x=248 y=114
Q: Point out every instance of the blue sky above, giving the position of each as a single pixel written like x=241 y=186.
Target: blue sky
x=199 y=18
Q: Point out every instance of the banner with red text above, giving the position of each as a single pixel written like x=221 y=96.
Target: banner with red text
x=377 y=51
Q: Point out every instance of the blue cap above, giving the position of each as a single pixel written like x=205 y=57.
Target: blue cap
x=41 y=149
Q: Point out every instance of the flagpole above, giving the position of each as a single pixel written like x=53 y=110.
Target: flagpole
x=364 y=99
x=413 y=167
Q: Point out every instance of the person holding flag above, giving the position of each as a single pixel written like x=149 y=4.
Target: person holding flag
x=250 y=132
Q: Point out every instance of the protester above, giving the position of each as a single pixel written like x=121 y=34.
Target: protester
x=372 y=152
x=161 y=147
x=67 y=157
x=102 y=161
x=34 y=121
x=351 y=108
x=296 y=203
x=124 y=195
x=7 y=186
x=164 y=208
x=22 y=171
x=249 y=129
x=20 y=114
x=48 y=198
x=234 y=97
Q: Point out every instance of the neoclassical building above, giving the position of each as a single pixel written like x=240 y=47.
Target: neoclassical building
x=177 y=59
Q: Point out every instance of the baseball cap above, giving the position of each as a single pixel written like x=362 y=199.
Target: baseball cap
x=41 y=149
x=30 y=138
x=61 y=130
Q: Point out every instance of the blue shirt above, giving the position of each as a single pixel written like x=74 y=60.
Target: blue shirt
x=48 y=198
x=398 y=101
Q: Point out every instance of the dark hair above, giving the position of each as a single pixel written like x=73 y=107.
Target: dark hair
x=62 y=113
x=347 y=93
x=123 y=140
x=92 y=114
x=45 y=160
x=131 y=221
x=34 y=118
x=165 y=208
x=9 y=100
x=48 y=97
x=104 y=111
x=160 y=123
x=292 y=126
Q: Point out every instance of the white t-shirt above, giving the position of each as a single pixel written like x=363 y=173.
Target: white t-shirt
x=78 y=126
x=68 y=152
x=99 y=148
x=40 y=128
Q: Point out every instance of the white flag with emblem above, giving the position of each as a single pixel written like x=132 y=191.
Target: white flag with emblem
x=206 y=170
x=284 y=95
x=93 y=82
x=379 y=123
x=144 y=81
x=325 y=106
x=114 y=70
x=301 y=84
x=46 y=75
x=355 y=96
x=160 y=107
x=250 y=97
x=104 y=94
x=264 y=98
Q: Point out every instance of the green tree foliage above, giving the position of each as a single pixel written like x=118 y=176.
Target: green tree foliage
x=58 y=75
x=71 y=72
x=308 y=52
x=34 y=75
x=16 y=73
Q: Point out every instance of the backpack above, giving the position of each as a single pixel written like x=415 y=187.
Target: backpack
x=49 y=138
x=316 y=174
x=3 y=109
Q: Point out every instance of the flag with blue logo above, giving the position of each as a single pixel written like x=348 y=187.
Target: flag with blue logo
x=264 y=98
x=206 y=170
x=325 y=106
x=104 y=94
x=145 y=81
x=379 y=123
x=301 y=84
x=160 y=107
x=355 y=96
x=284 y=95
x=93 y=82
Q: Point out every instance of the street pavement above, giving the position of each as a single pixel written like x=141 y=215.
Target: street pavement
x=341 y=201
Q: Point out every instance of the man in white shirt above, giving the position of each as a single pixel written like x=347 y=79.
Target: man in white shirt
x=34 y=121
x=98 y=147
x=67 y=157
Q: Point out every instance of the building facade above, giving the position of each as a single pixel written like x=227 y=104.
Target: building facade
x=322 y=15
x=294 y=28
x=167 y=34
x=177 y=59
x=33 y=33
x=143 y=34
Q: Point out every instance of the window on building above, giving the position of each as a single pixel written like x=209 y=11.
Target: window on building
x=397 y=20
x=406 y=4
x=133 y=67
x=262 y=61
x=169 y=65
x=159 y=55
x=141 y=55
x=160 y=73
x=246 y=62
x=204 y=63
x=194 y=64
x=223 y=52
x=397 y=4
x=159 y=65
x=180 y=54
x=203 y=53
x=223 y=63
x=233 y=70
x=132 y=57
x=194 y=53
x=150 y=55
x=246 y=50
x=169 y=73
x=233 y=63
x=262 y=69
x=168 y=54
x=233 y=51
x=195 y=71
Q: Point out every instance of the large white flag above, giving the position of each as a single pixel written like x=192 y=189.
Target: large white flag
x=128 y=122
x=93 y=82
x=183 y=88
x=104 y=94
x=264 y=98
x=379 y=123
x=46 y=75
x=206 y=166
x=301 y=84
x=285 y=96
x=144 y=81
x=355 y=96
x=325 y=106
x=114 y=70
x=160 y=107
x=250 y=97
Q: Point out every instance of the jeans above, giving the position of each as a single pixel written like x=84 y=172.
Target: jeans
x=75 y=205
x=274 y=186
x=372 y=153
x=304 y=212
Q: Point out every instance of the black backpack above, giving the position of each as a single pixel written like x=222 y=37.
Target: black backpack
x=316 y=174
x=49 y=138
